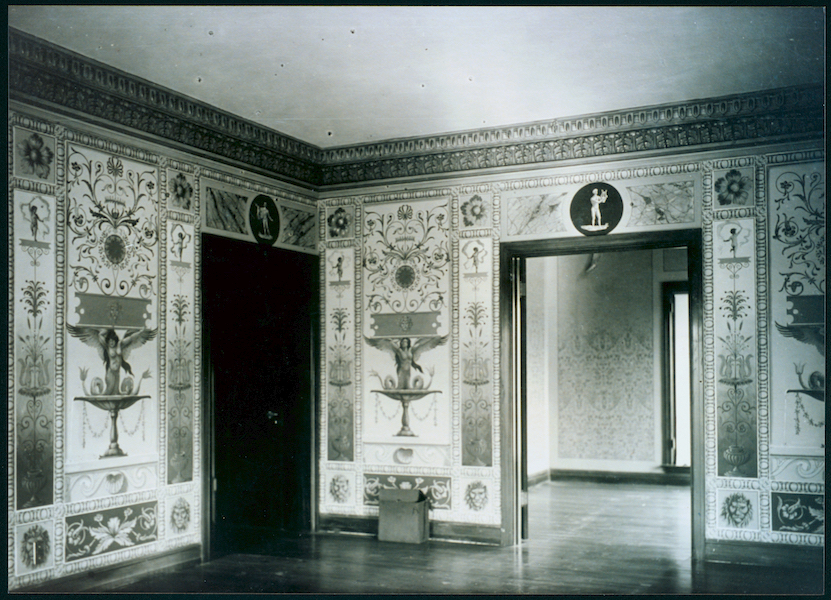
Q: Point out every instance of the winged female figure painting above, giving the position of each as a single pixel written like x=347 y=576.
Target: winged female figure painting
x=113 y=350
x=406 y=354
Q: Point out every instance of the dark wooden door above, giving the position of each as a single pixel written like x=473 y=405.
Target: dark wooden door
x=260 y=311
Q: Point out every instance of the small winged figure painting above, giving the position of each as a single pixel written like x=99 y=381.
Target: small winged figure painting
x=406 y=353
x=113 y=350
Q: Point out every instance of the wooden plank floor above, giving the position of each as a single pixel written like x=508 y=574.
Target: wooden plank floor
x=586 y=538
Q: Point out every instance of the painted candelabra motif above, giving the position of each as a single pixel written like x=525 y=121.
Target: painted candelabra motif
x=735 y=360
x=406 y=263
x=112 y=393
x=476 y=363
x=180 y=352
x=406 y=387
x=340 y=416
x=113 y=231
x=34 y=355
x=798 y=262
x=180 y=382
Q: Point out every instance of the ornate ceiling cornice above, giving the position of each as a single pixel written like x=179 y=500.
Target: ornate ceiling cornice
x=42 y=73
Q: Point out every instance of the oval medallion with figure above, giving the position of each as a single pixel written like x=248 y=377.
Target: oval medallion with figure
x=264 y=219
x=596 y=209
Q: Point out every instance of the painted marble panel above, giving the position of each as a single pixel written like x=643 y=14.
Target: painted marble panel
x=798 y=254
x=734 y=282
x=662 y=203
x=181 y=330
x=339 y=267
x=109 y=530
x=225 y=210
x=33 y=240
x=298 y=226
x=437 y=489
x=802 y=513
x=476 y=307
x=112 y=343
x=34 y=547
x=406 y=358
x=34 y=155
x=536 y=214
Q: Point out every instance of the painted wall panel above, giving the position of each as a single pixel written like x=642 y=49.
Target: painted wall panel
x=104 y=248
x=797 y=255
x=33 y=293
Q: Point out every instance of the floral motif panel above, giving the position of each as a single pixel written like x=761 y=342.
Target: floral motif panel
x=33 y=156
x=33 y=248
x=437 y=489
x=476 y=350
x=113 y=297
x=798 y=513
x=110 y=530
x=733 y=187
x=339 y=273
x=798 y=254
x=734 y=253
x=406 y=297
x=181 y=329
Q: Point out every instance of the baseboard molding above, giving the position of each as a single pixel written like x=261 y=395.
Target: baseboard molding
x=108 y=578
x=764 y=555
x=656 y=477
x=439 y=530
x=539 y=478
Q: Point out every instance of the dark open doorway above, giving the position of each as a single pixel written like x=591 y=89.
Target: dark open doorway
x=260 y=321
x=513 y=263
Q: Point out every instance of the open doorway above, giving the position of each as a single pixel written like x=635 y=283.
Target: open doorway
x=614 y=401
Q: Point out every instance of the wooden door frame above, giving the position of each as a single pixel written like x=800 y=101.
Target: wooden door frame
x=511 y=364
x=208 y=422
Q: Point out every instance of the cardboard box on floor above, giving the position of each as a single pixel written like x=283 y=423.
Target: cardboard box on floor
x=403 y=516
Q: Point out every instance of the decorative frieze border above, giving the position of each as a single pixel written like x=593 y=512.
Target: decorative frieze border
x=650 y=117
x=41 y=72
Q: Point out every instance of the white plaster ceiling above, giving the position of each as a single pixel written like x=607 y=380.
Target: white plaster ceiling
x=335 y=76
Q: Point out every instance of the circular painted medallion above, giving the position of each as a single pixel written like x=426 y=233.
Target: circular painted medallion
x=264 y=219
x=596 y=209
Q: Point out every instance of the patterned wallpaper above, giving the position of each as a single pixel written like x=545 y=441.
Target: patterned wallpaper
x=762 y=221
x=606 y=358
x=105 y=359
